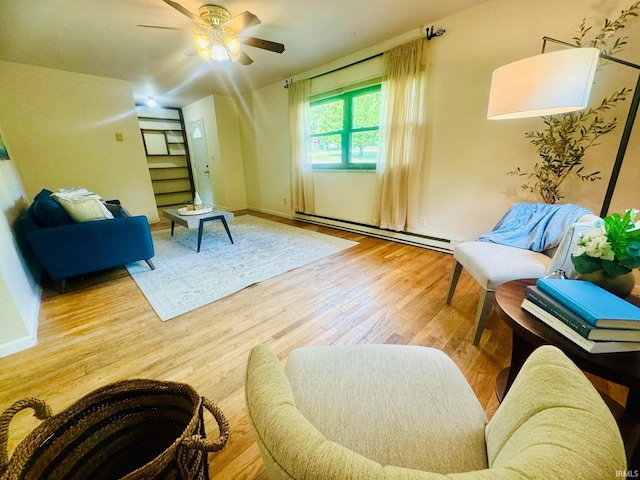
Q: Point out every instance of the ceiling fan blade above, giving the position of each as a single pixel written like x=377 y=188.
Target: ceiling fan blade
x=187 y=13
x=245 y=59
x=241 y=22
x=167 y=28
x=264 y=44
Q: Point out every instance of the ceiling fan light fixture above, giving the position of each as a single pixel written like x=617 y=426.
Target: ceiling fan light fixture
x=232 y=43
x=217 y=34
x=235 y=56
x=205 y=53
x=201 y=40
x=219 y=53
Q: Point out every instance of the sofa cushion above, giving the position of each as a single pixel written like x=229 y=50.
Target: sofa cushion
x=82 y=205
x=46 y=212
x=116 y=209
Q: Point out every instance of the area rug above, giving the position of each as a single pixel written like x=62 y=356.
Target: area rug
x=185 y=279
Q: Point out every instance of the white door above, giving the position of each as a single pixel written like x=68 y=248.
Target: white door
x=200 y=161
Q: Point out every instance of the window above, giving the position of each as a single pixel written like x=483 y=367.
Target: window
x=345 y=130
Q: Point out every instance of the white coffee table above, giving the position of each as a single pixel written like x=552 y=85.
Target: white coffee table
x=193 y=221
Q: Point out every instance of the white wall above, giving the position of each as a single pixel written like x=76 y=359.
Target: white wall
x=345 y=195
x=61 y=127
x=233 y=187
x=466 y=189
x=19 y=292
x=469 y=155
x=266 y=159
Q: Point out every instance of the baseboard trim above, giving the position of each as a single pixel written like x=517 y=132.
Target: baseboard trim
x=17 y=345
x=30 y=321
x=415 y=239
x=271 y=212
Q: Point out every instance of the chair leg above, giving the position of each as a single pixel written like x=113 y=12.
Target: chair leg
x=150 y=263
x=455 y=275
x=485 y=304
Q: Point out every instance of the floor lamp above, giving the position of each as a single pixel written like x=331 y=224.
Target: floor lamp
x=553 y=83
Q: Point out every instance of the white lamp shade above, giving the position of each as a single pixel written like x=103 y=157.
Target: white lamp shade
x=546 y=84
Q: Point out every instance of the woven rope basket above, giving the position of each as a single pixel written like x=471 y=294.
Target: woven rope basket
x=133 y=430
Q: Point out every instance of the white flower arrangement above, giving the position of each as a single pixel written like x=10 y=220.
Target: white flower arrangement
x=595 y=244
x=612 y=245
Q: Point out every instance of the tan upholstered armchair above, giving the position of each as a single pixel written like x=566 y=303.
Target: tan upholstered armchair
x=401 y=412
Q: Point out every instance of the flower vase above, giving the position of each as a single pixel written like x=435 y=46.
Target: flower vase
x=621 y=285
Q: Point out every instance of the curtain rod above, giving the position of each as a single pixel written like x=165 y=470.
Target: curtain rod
x=346 y=66
x=430 y=33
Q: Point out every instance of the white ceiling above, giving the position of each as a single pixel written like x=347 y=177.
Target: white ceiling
x=101 y=37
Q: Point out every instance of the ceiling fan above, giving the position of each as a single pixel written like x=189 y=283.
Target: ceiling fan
x=219 y=35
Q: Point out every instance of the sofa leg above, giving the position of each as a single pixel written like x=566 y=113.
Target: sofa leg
x=455 y=274
x=150 y=263
x=62 y=286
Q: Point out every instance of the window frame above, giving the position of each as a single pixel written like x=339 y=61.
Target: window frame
x=347 y=129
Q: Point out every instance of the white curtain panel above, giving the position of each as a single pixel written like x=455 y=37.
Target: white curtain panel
x=403 y=127
x=301 y=168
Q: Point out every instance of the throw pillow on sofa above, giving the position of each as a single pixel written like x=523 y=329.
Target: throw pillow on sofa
x=46 y=212
x=82 y=205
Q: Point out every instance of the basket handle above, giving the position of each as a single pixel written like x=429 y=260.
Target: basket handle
x=41 y=412
x=200 y=443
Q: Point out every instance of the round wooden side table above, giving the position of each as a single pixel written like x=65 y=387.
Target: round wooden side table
x=620 y=367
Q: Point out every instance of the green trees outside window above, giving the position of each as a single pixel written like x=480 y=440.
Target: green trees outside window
x=345 y=130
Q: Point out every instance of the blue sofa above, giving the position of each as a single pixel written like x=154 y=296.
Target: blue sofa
x=66 y=248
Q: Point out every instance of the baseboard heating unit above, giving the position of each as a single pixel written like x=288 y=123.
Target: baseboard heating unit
x=416 y=239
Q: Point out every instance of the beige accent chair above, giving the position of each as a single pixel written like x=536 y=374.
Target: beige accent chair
x=367 y=412
x=492 y=264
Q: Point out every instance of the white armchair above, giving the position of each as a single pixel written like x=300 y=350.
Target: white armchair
x=492 y=264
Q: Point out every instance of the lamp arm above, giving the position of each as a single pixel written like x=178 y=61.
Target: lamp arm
x=624 y=141
x=628 y=127
x=553 y=40
x=602 y=55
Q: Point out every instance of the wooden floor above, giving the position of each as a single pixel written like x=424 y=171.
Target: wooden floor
x=103 y=330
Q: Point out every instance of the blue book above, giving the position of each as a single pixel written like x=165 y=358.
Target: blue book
x=552 y=307
x=594 y=304
x=569 y=333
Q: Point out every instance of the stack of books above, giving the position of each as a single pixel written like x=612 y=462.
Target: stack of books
x=586 y=314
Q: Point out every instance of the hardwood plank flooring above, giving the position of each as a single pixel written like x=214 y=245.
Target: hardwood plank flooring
x=103 y=330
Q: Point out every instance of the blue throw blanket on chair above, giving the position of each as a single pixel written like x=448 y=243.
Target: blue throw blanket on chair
x=534 y=226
